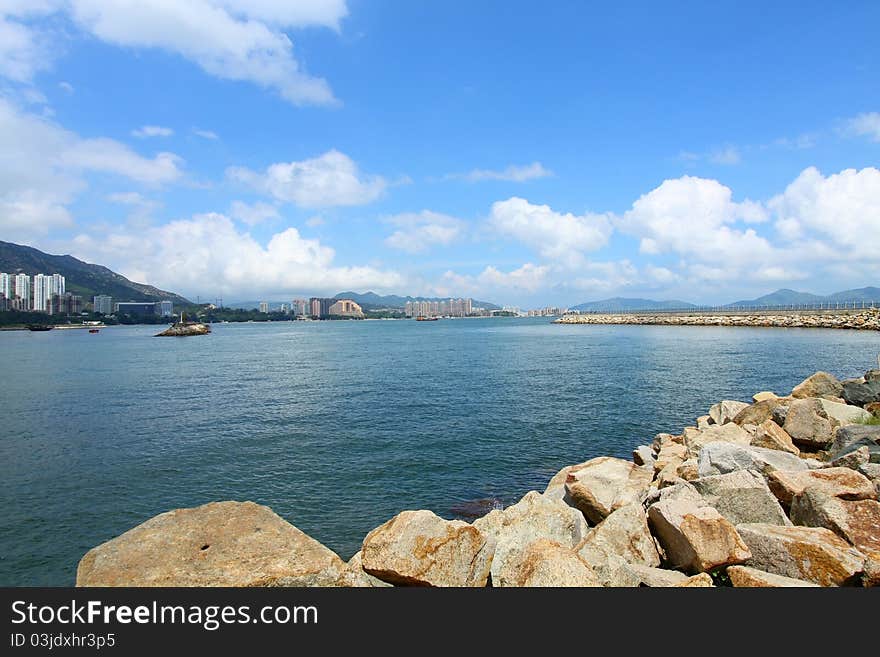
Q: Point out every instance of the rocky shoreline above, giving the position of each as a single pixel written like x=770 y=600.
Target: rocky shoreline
x=865 y=320
x=781 y=491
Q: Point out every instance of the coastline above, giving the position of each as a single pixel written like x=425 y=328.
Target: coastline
x=778 y=491
x=862 y=320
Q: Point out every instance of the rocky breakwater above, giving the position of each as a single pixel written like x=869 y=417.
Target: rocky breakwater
x=781 y=491
x=866 y=320
x=184 y=329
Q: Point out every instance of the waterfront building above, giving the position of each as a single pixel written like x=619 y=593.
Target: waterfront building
x=345 y=308
x=103 y=304
x=285 y=309
x=165 y=308
x=300 y=307
x=135 y=308
x=445 y=308
x=264 y=307
x=319 y=307
x=22 y=292
x=56 y=284
x=64 y=304
x=41 y=293
x=6 y=286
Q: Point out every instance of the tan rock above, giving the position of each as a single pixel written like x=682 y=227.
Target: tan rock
x=702 y=580
x=727 y=433
x=838 y=482
x=670 y=454
x=418 y=548
x=545 y=563
x=509 y=531
x=695 y=538
x=843 y=413
x=856 y=521
x=655 y=577
x=354 y=575
x=764 y=396
x=770 y=435
x=704 y=422
x=689 y=470
x=624 y=534
x=604 y=484
x=216 y=544
x=854 y=459
x=814 y=554
x=724 y=411
x=808 y=425
x=758 y=412
x=820 y=384
x=741 y=496
x=746 y=577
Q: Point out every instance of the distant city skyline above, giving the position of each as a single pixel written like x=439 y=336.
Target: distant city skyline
x=704 y=152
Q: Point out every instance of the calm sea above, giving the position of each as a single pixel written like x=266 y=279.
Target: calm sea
x=337 y=426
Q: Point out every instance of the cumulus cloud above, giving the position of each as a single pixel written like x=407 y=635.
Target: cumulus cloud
x=841 y=209
x=419 y=231
x=207 y=254
x=512 y=173
x=152 y=131
x=253 y=214
x=331 y=179
x=229 y=39
x=560 y=237
x=527 y=278
x=44 y=167
x=865 y=125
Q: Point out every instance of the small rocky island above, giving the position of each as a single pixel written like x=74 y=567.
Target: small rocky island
x=184 y=328
x=780 y=491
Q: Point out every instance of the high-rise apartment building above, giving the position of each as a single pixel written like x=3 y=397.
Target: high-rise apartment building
x=103 y=304
x=23 y=291
x=6 y=286
x=56 y=285
x=446 y=308
x=164 y=308
x=300 y=307
x=42 y=284
x=264 y=306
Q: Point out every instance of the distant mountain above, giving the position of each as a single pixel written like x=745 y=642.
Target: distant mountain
x=371 y=300
x=80 y=277
x=786 y=297
x=621 y=303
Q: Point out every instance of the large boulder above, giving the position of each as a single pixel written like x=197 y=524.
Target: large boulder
x=545 y=563
x=644 y=455
x=857 y=521
x=625 y=535
x=510 y=531
x=724 y=411
x=838 y=482
x=419 y=548
x=744 y=576
x=695 y=538
x=861 y=394
x=604 y=484
x=872 y=472
x=844 y=414
x=820 y=384
x=808 y=424
x=760 y=411
x=854 y=459
x=654 y=577
x=721 y=458
x=764 y=395
x=239 y=544
x=354 y=575
x=849 y=438
x=727 y=433
x=741 y=496
x=770 y=435
x=814 y=554
x=671 y=454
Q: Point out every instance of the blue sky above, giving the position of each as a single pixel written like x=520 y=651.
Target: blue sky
x=523 y=153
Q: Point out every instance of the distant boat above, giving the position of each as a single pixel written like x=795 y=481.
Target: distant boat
x=422 y=318
x=93 y=330
x=39 y=327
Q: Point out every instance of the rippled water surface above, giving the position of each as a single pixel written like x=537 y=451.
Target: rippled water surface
x=339 y=425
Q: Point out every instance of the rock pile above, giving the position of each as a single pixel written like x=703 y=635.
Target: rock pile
x=780 y=492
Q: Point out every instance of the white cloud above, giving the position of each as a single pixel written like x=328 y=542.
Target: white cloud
x=865 y=125
x=229 y=39
x=205 y=134
x=253 y=214
x=208 y=255
x=526 y=279
x=43 y=168
x=419 y=231
x=556 y=236
x=842 y=209
x=67 y=88
x=512 y=173
x=314 y=222
x=332 y=179
x=152 y=131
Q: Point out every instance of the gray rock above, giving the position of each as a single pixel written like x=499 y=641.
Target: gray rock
x=721 y=458
x=872 y=472
x=742 y=496
x=814 y=554
x=854 y=459
x=861 y=394
x=808 y=425
x=844 y=413
x=624 y=534
x=779 y=414
x=644 y=455
x=849 y=438
x=724 y=411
